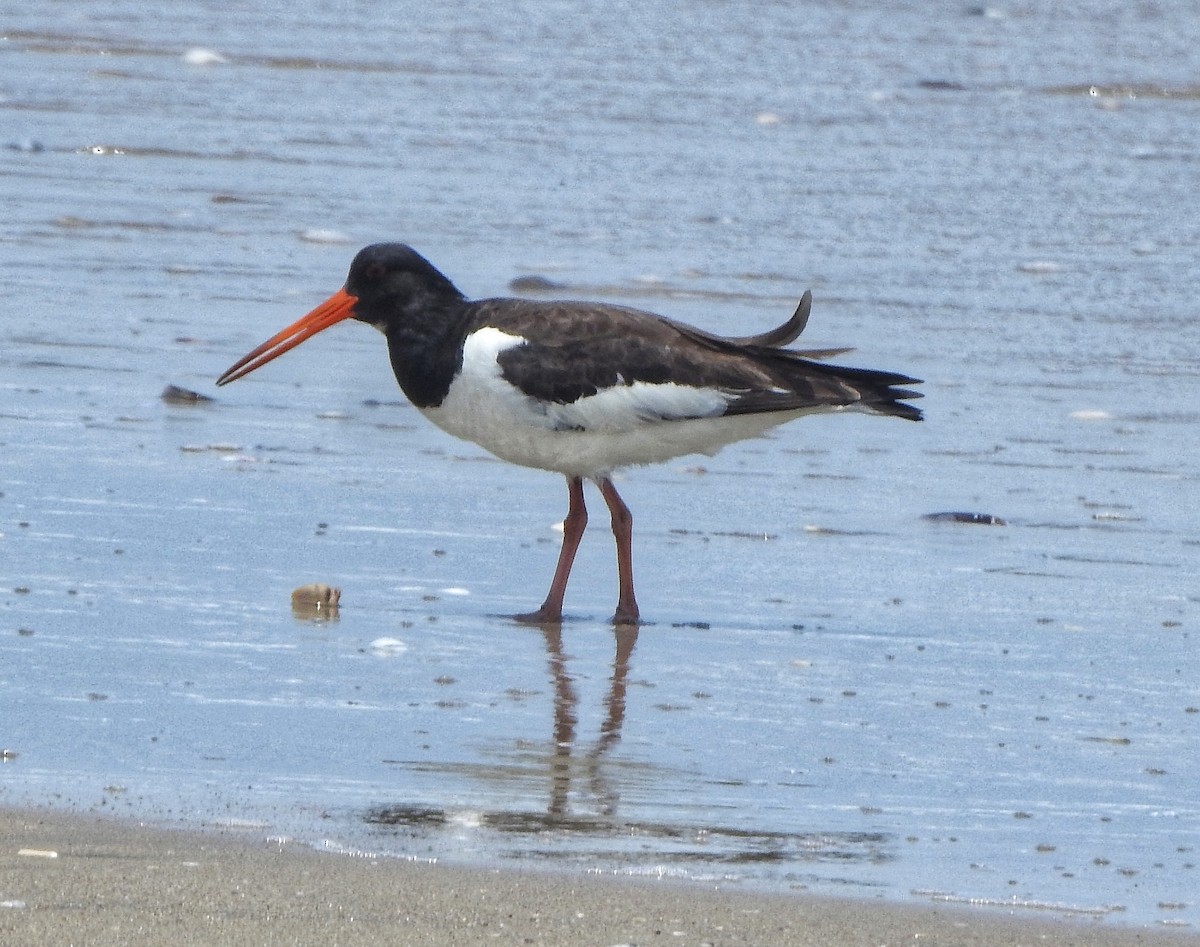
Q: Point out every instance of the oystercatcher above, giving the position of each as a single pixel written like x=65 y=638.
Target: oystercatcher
x=582 y=388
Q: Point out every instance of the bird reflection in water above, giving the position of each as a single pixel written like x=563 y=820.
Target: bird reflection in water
x=562 y=769
x=563 y=766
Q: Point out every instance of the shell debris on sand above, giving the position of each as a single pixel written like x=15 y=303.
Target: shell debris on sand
x=388 y=647
x=316 y=600
x=199 y=56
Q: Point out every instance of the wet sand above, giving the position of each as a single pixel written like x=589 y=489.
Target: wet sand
x=80 y=879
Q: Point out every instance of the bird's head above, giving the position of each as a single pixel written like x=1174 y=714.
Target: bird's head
x=388 y=283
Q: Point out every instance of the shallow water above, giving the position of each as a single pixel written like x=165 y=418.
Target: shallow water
x=835 y=692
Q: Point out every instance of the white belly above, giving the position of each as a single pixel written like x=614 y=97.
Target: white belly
x=595 y=453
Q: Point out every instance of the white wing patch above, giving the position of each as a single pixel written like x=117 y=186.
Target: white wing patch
x=627 y=407
x=482 y=347
x=480 y=399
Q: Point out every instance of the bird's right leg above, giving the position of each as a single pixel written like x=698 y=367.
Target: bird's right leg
x=573 y=526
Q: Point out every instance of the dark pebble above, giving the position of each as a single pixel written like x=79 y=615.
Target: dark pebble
x=534 y=284
x=173 y=394
x=978 y=519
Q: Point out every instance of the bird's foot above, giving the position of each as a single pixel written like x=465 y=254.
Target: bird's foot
x=542 y=616
x=548 y=616
x=626 y=616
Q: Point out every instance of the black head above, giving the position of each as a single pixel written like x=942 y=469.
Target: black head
x=392 y=281
x=390 y=286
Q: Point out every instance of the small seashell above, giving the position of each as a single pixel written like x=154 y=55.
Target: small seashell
x=198 y=56
x=316 y=601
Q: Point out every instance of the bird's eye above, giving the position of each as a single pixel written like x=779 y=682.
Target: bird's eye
x=375 y=271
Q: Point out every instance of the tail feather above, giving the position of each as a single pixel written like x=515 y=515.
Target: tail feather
x=801 y=384
x=805 y=382
x=785 y=334
x=877 y=391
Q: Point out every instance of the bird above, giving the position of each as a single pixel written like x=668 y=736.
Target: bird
x=582 y=389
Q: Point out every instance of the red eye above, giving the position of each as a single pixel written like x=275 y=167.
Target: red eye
x=375 y=271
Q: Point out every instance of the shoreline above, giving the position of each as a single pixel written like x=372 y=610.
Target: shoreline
x=97 y=880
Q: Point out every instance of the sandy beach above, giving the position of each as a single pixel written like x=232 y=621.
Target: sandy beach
x=87 y=880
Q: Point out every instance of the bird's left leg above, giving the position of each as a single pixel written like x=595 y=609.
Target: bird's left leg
x=622 y=527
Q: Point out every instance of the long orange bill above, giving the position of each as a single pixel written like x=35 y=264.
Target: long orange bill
x=337 y=307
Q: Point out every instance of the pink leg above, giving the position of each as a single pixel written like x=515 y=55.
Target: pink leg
x=573 y=526
x=622 y=527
